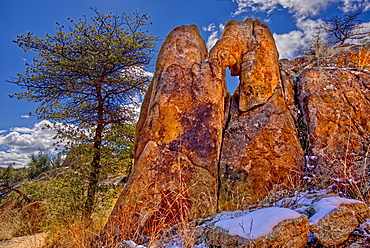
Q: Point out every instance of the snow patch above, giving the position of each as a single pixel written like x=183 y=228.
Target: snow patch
x=258 y=223
x=326 y=205
x=132 y=244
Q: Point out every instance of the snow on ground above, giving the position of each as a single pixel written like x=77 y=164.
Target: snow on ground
x=326 y=205
x=258 y=223
x=364 y=229
x=301 y=198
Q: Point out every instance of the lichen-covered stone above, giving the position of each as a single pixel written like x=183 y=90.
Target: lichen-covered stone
x=259 y=68
x=260 y=146
x=335 y=227
x=165 y=188
x=178 y=141
x=349 y=56
x=260 y=149
x=335 y=109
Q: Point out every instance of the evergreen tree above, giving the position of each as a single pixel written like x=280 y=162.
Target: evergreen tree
x=88 y=77
x=38 y=164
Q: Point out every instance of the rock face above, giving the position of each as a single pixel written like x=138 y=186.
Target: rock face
x=331 y=222
x=199 y=150
x=335 y=109
x=178 y=141
x=260 y=150
x=260 y=146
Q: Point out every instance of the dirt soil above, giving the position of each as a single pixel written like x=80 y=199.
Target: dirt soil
x=33 y=241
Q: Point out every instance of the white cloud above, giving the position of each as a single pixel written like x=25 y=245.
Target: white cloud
x=365 y=28
x=18 y=159
x=212 y=39
x=21 y=129
x=353 y=5
x=303 y=11
x=136 y=73
x=309 y=26
x=210 y=28
x=215 y=33
x=23 y=141
x=287 y=44
x=25 y=116
x=221 y=27
x=298 y=7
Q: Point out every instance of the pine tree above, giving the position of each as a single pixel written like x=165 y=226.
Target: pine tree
x=87 y=78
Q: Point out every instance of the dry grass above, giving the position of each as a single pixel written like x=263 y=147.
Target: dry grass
x=75 y=235
x=10 y=217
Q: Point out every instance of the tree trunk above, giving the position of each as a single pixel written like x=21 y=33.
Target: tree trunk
x=95 y=170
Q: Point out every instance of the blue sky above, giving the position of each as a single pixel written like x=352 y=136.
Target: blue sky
x=291 y=21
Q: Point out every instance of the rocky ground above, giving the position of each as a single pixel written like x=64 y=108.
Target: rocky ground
x=307 y=219
x=33 y=241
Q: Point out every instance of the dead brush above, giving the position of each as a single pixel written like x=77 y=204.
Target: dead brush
x=172 y=218
x=8 y=217
x=169 y=220
x=74 y=234
x=18 y=218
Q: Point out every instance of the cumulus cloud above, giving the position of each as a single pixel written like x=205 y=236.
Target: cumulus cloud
x=298 y=7
x=309 y=26
x=353 y=5
x=365 y=28
x=212 y=39
x=303 y=12
x=288 y=43
x=25 y=116
x=210 y=28
x=215 y=33
x=18 y=159
x=20 y=142
x=21 y=129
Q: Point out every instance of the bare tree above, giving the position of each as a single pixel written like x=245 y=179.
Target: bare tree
x=318 y=45
x=343 y=28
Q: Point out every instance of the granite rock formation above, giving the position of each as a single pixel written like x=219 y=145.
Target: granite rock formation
x=178 y=141
x=199 y=150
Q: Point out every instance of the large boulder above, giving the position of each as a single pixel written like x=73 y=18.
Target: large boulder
x=165 y=188
x=259 y=67
x=349 y=56
x=178 y=141
x=260 y=149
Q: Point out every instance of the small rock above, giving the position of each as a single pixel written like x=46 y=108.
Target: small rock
x=335 y=227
